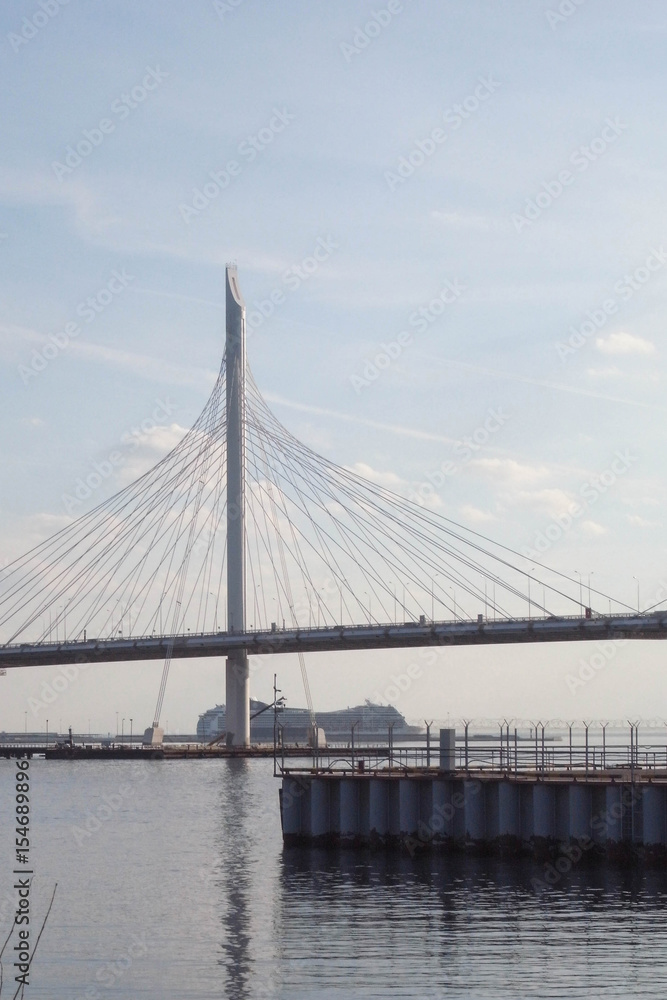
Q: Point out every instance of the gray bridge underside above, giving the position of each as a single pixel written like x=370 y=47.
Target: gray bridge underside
x=337 y=638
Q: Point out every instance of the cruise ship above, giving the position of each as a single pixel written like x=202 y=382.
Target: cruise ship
x=373 y=722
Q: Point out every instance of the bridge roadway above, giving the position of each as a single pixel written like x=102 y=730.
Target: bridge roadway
x=337 y=638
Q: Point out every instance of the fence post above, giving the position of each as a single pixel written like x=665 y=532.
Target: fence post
x=448 y=750
x=570 y=728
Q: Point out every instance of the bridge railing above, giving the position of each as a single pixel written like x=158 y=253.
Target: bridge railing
x=623 y=761
x=426 y=623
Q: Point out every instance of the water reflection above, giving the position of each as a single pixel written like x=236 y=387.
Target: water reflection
x=247 y=838
x=468 y=927
x=235 y=865
x=195 y=861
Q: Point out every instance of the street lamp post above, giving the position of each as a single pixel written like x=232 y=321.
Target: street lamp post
x=354 y=726
x=529 y=604
x=122 y=731
x=130 y=732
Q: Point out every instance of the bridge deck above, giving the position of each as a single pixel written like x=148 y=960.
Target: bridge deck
x=337 y=638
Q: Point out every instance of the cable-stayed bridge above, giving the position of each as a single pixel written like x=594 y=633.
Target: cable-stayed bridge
x=244 y=541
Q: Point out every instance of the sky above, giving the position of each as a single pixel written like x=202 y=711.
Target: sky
x=504 y=161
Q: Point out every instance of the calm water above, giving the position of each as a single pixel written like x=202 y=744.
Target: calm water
x=184 y=891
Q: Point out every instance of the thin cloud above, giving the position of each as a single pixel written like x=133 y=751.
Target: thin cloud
x=179 y=295
x=476 y=516
x=360 y=421
x=388 y=479
x=593 y=528
x=548 y=385
x=624 y=343
x=641 y=522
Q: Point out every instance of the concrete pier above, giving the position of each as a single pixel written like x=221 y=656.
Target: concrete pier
x=605 y=815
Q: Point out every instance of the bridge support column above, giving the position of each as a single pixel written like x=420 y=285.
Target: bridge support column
x=238 y=700
x=238 y=693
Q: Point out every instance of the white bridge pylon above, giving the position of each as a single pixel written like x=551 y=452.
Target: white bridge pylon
x=241 y=529
x=237 y=674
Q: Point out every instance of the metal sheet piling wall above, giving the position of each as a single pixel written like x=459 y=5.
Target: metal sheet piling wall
x=608 y=817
